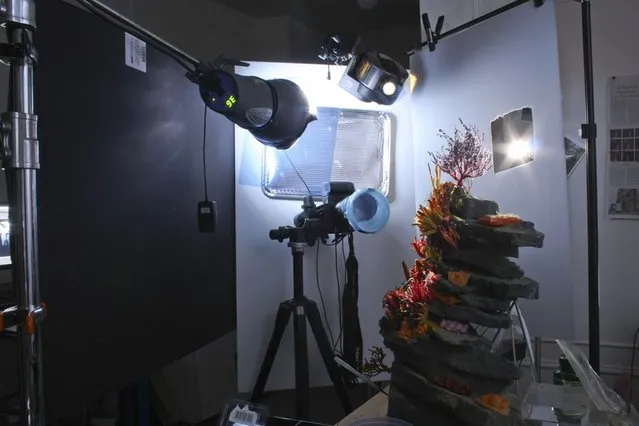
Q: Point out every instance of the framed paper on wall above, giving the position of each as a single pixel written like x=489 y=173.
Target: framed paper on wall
x=5 y=252
x=622 y=192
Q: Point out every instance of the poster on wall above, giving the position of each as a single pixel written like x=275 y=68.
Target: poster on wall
x=622 y=192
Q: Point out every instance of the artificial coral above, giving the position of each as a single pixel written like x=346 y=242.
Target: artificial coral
x=416 y=311
x=406 y=307
x=464 y=155
x=454 y=386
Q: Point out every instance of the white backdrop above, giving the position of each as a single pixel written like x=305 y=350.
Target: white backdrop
x=506 y=63
x=614 y=51
x=264 y=267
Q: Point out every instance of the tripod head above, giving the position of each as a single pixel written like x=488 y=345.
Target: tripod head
x=293 y=234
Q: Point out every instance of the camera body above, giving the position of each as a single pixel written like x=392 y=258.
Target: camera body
x=318 y=222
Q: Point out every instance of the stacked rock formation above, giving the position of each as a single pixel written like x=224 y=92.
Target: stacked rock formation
x=445 y=371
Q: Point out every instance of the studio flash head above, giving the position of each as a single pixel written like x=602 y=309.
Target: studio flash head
x=374 y=77
x=276 y=112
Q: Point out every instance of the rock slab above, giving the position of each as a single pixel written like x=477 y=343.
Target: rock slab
x=454 y=408
x=470 y=314
x=468 y=207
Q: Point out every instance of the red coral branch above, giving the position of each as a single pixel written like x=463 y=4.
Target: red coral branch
x=419 y=246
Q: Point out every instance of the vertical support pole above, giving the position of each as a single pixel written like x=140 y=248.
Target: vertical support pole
x=538 y=355
x=302 y=386
x=21 y=162
x=589 y=132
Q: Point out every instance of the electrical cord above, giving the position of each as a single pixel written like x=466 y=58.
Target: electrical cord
x=206 y=187
x=338 y=239
x=298 y=173
x=632 y=367
x=317 y=274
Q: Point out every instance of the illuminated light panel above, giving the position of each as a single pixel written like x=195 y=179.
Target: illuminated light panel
x=519 y=149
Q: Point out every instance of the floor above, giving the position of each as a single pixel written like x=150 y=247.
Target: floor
x=324 y=406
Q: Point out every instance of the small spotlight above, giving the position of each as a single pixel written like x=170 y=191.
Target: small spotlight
x=389 y=88
x=519 y=150
x=374 y=77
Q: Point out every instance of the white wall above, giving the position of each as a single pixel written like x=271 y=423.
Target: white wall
x=478 y=75
x=264 y=267
x=615 y=53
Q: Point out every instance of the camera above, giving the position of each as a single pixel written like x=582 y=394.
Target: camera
x=345 y=210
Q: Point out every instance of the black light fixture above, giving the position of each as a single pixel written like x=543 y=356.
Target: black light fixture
x=276 y=111
x=374 y=77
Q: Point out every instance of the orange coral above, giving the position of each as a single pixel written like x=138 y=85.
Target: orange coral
x=408 y=333
x=435 y=217
x=495 y=402
x=459 y=278
x=500 y=220
x=447 y=299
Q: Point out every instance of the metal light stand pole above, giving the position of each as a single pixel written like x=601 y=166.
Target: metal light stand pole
x=589 y=133
x=20 y=157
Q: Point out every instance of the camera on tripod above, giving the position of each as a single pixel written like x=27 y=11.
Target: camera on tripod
x=345 y=210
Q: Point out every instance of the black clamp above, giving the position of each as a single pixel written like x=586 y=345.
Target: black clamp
x=432 y=37
x=339 y=49
x=203 y=74
x=588 y=131
x=22 y=49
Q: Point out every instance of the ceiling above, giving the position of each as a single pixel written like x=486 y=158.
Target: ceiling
x=335 y=15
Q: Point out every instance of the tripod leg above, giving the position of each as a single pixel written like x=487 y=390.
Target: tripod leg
x=315 y=320
x=281 y=321
x=302 y=385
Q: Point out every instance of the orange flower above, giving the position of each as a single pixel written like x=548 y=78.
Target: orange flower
x=459 y=278
x=405 y=332
x=421 y=329
x=408 y=333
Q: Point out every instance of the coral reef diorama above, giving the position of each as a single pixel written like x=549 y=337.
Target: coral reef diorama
x=446 y=371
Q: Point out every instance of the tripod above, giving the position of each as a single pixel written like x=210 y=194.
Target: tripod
x=302 y=309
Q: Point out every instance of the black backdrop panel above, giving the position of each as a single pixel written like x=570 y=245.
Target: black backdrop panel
x=130 y=284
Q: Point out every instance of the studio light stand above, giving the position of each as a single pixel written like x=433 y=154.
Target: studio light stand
x=302 y=309
x=20 y=158
x=589 y=133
